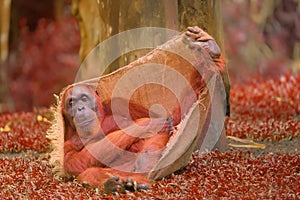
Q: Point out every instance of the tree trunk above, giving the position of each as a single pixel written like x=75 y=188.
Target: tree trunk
x=99 y=20
x=4 y=28
x=4 y=32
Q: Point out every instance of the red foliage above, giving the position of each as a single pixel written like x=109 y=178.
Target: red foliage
x=24 y=131
x=231 y=175
x=31 y=178
x=45 y=62
x=266 y=109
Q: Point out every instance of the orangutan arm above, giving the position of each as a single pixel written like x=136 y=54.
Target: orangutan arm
x=75 y=161
x=111 y=147
x=208 y=43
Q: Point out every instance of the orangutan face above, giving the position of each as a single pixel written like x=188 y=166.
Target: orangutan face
x=80 y=106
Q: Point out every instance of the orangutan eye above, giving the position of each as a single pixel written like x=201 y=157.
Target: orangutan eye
x=84 y=98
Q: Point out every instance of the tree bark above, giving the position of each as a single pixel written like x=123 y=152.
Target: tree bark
x=4 y=28
x=99 y=20
x=4 y=33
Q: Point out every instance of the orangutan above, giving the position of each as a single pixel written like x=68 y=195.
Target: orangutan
x=117 y=154
x=91 y=130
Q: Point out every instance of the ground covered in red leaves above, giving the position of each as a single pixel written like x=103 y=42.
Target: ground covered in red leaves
x=267 y=111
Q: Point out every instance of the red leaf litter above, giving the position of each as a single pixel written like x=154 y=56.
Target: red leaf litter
x=24 y=131
x=233 y=175
x=265 y=110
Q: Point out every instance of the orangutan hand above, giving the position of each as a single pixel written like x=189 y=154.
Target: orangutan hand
x=203 y=39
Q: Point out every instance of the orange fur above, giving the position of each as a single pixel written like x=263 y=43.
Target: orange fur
x=91 y=159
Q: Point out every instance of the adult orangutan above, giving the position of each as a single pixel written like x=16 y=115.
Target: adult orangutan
x=91 y=132
x=111 y=151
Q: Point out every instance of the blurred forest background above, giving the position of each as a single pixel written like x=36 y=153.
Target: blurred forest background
x=40 y=55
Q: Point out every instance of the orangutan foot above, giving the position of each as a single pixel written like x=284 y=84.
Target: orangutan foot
x=115 y=184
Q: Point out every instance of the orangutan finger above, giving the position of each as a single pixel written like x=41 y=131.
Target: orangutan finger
x=194 y=36
x=194 y=29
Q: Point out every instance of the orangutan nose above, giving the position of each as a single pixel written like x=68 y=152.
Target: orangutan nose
x=80 y=108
